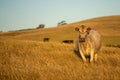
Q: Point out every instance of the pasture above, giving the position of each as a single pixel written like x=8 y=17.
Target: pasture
x=24 y=55
x=33 y=60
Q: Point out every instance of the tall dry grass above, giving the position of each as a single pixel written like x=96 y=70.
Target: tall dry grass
x=33 y=60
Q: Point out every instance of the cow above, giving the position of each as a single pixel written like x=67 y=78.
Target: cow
x=88 y=43
x=46 y=39
x=68 y=41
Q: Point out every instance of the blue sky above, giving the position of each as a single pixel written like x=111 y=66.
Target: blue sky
x=23 y=14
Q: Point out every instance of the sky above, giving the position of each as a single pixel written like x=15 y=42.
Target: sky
x=25 y=14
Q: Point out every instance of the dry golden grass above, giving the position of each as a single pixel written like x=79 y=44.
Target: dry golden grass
x=33 y=60
x=23 y=55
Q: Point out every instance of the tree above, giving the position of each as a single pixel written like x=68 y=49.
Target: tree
x=62 y=23
x=41 y=26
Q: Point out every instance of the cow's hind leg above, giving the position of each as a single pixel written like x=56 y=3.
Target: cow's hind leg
x=91 y=56
x=96 y=55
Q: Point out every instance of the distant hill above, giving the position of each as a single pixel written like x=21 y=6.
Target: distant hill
x=107 y=26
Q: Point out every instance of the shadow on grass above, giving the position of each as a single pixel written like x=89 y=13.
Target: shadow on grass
x=76 y=52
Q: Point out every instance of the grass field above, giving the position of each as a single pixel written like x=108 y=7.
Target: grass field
x=32 y=60
x=24 y=55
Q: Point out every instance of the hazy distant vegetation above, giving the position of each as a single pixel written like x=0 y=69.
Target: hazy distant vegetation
x=41 y=26
x=61 y=23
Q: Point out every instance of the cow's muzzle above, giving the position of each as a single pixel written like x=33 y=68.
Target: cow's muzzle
x=82 y=40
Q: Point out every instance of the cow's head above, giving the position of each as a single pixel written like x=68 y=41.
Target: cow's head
x=83 y=32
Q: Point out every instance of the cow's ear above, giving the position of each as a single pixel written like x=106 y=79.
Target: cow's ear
x=88 y=29
x=76 y=29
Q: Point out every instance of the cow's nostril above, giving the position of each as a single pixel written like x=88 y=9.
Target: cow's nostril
x=83 y=39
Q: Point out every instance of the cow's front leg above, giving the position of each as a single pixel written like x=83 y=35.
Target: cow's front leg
x=82 y=55
x=91 y=55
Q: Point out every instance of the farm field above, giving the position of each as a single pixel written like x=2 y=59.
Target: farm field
x=24 y=55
